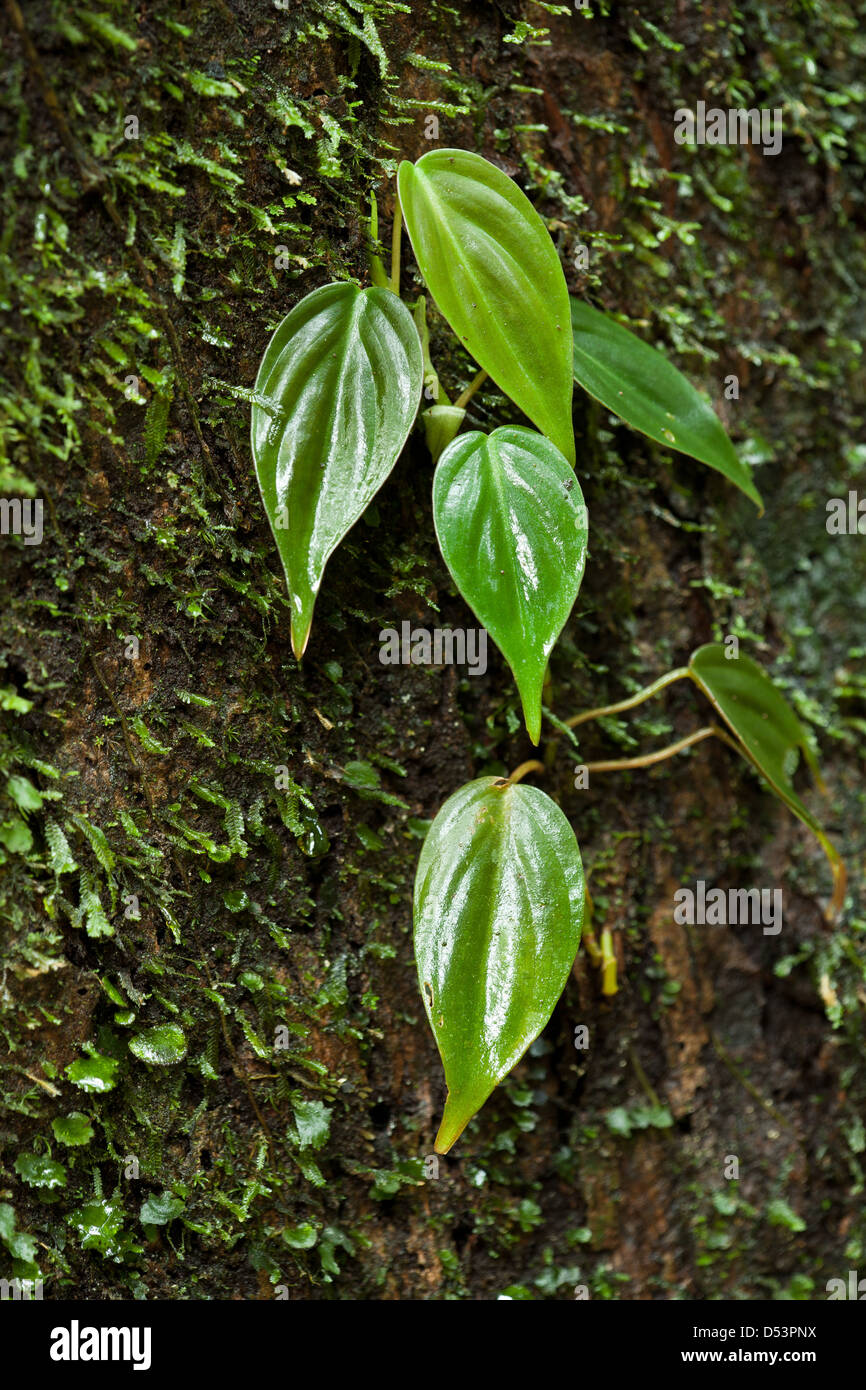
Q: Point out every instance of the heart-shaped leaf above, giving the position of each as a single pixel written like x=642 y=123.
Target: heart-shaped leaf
x=639 y=384
x=499 y=903
x=767 y=731
x=338 y=388
x=512 y=527
x=493 y=270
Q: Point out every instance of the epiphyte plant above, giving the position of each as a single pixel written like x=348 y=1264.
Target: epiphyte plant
x=496 y=853
x=759 y=724
x=338 y=391
x=512 y=528
x=500 y=896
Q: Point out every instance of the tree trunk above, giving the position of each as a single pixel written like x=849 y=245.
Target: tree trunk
x=189 y=853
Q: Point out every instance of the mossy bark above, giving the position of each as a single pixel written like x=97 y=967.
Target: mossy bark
x=199 y=850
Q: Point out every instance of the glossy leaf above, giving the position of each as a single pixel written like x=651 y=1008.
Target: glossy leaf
x=512 y=527
x=162 y=1046
x=493 y=270
x=338 y=389
x=499 y=903
x=72 y=1130
x=768 y=732
x=639 y=384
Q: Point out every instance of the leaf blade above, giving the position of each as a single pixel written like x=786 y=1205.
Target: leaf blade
x=638 y=383
x=493 y=270
x=343 y=373
x=499 y=903
x=767 y=730
x=512 y=527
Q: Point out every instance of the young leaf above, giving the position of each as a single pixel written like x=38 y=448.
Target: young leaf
x=343 y=375
x=493 y=270
x=512 y=528
x=499 y=903
x=639 y=384
x=768 y=732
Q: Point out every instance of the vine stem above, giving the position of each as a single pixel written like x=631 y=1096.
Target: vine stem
x=647 y=760
x=590 y=941
x=531 y=765
x=431 y=379
x=462 y=401
x=377 y=270
x=608 y=963
x=396 y=233
x=837 y=864
x=638 y=699
x=840 y=878
x=603 y=957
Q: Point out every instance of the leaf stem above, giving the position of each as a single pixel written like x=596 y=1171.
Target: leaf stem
x=531 y=765
x=463 y=400
x=602 y=957
x=840 y=878
x=647 y=760
x=638 y=699
x=608 y=963
x=431 y=379
x=377 y=270
x=590 y=941
x=396 y=230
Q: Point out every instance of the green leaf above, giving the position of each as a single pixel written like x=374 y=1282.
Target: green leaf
x=24 y=794
x=19 y=1245
x=159 y=1211
x=62 y=861
x=512 y=527
x=499 y=903
x=780 y=1214
x=99 y=1225
x=343 y=374
x=768 y=733
x=15 y=836
x=313 y=1120
x=90 y=905
x=73 y=1130
x=494 y=272
x=10 y=701
x=93 y=1073
x=102 y=25
x=644 y=389
x=301 y=1237
x=618 y=1121
x=39 y=1171
x=148 y=742
x=210 y=86
x=156 y=427
x=162 y=1046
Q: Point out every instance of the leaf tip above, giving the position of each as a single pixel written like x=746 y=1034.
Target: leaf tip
x=532 y=714
x=301 y=636
x=455 y=1118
